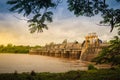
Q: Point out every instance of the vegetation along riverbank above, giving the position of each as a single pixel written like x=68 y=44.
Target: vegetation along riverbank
x=92 y=74
x=10 y=48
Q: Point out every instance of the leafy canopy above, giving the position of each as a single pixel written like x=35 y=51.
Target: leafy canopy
x=42 y=11
x=37 y=8
x=110 y=54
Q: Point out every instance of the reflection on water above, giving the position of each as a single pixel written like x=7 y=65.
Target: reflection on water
x=27 y=63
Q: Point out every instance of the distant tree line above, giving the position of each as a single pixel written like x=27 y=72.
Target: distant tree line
x=9 y=48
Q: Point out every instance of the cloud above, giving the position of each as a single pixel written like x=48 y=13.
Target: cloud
x=16 y=31
x=77 y=28
x=65 y=26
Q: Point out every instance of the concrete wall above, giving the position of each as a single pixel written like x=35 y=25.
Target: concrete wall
x=71 y=51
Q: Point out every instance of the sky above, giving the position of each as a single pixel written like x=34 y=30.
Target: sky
x=65 y=25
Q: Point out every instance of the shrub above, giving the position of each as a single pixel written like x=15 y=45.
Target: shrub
x=33 y=73
x=91 y=67
x=15 y=73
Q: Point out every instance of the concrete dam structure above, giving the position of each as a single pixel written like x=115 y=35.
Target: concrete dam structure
x=86 y=51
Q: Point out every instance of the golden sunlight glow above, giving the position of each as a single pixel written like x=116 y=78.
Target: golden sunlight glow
x=16 y=31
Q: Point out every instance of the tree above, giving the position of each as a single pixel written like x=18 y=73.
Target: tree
x=42 y=12
x=112 y=18
x=110 y=54
x=38 y=8
x=9 y=45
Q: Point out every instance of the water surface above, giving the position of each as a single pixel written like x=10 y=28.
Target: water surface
x=26 y=63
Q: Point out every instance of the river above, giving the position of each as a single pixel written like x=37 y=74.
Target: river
x=10 y=63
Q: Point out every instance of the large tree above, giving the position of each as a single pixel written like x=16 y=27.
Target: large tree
x=42 y=11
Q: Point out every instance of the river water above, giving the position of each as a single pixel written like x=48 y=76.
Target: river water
x=10 y=63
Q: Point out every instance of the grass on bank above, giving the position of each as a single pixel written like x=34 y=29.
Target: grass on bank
x=10 y=48
x=93 y=74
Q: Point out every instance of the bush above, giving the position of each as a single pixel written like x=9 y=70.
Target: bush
x=15 y=73
x=91 y=67
x=100 y=74
x=33 y=73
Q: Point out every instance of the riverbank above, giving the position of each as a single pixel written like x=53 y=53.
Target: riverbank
x=10 y=48
x=101 y=74
x=14 y=49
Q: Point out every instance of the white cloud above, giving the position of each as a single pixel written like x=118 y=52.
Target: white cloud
x=16 y=31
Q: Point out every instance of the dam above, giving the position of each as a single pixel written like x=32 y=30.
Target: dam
x=86 y=51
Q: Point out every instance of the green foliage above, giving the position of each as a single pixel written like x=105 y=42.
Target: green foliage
x=102 y=74
x=86 y=7
x=37 y=23
x=14 y=49
x=37 y=46
x=39 y=10
x=91 y=67
x=15 y=73
x=33 y=73
x=111 y=17
x=42 y=11
x=110 y=54
x=30 y=6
